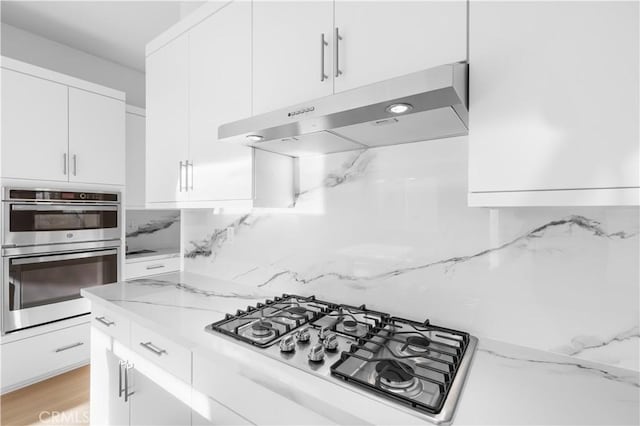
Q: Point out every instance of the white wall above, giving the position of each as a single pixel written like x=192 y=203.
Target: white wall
x=36 y=50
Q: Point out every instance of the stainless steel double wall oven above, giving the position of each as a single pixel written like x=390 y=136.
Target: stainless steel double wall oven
x=54 y=243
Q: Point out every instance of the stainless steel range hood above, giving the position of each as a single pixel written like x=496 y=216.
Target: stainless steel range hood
x=429 y=104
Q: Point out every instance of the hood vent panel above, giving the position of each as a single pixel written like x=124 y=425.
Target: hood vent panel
x=362 y=117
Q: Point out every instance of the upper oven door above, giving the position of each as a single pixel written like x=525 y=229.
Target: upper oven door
x=29 y=224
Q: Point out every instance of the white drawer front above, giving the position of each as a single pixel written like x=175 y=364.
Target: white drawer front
x=28 y=360
x=167 y=354
x=110 y=323
x=152 y=267
x=206 y=411
x=223 y=380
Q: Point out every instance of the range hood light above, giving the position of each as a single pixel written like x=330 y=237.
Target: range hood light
x=399 y=108
x=255 y=138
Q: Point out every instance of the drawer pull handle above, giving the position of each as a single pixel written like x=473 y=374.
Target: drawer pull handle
x=105 y=321
x=155 y=266
x=153 y=348
x=64 y=348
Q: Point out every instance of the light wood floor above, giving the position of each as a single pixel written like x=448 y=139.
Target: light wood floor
x=60 y=400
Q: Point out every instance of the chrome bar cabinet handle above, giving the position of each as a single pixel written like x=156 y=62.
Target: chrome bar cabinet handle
x=323 y=44
x=105 y=321
x=120 y=365
x=180 y=175
x=127 y=394
x=64 y=164
x=150 y=267
x=153 y=348
x=190 y=179
x=75 y=164
x=336 y=52
x=65 y=348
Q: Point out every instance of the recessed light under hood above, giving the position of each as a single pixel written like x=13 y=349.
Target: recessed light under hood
x=430 y=104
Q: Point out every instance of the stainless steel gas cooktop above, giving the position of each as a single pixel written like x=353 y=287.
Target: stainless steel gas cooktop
x=419 y=365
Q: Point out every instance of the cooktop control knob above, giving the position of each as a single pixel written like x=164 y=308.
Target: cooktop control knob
x=330 y=342
x=316 y=354
x=323 y=333
x=287 y=344
x=303 y=335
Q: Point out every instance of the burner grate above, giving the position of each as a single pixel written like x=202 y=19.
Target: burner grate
x=263 y=324
x=422 y=357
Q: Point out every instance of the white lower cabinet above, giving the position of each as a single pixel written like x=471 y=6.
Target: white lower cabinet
x=107 y=404
x=32 y=359
x=247 y=396
x=128 y=389
x=151 y=404
x=210 y=412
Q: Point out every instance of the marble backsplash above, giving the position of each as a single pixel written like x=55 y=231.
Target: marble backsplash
x=153 y=229
x=390 y=227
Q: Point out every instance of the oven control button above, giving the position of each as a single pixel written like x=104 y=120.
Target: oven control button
x=83 y=196
x=316 y=354
x=287 y=344
x=303 y=335
x=330 y=342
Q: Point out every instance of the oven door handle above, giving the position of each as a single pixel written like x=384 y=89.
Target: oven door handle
x=58 y=257
x=63 y=207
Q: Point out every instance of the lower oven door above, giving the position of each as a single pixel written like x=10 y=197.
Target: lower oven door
x=42 y=288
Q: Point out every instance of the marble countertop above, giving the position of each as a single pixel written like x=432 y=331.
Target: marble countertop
x=507 y=384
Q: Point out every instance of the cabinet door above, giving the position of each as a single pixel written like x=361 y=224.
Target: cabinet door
x=287 y=53
x=107 y=405
x=96 y=138
x=153 y=405
x=135 y=160
x=554 y=96
x=34 y=128
x=167 y=121
x=386 y=39
x=220 y=91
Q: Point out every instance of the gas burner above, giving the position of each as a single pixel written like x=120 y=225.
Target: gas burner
x=397 y=377
x=262 y=329
x=350 y=325
x=417 y=344
x=296 y=310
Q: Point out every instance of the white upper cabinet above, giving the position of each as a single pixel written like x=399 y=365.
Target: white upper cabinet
x=96 y=138
x=167 y=106
x=59 y=128
x=219 y=92
x=379 y=40
x=34 y=128
x=364 y=42
x=289 y=61
x=554 y=95
x=135 y=155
